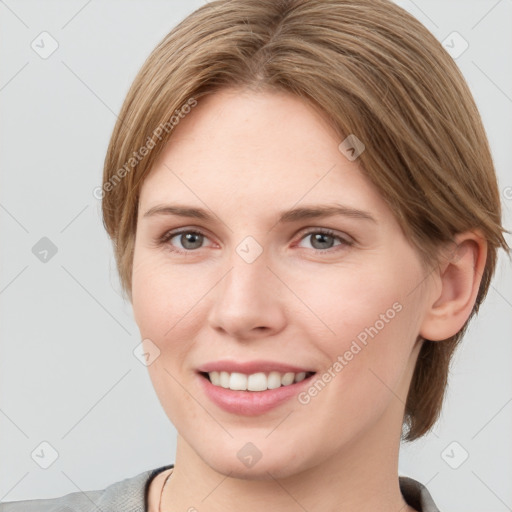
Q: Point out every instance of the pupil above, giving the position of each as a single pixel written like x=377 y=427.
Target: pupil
x=318 y=238
x=189 y=238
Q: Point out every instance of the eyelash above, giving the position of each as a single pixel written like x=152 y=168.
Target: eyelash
x=166 y=237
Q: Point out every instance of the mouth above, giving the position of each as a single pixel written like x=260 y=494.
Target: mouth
x=255 y=382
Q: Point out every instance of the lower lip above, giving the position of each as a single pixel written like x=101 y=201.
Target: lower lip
x=250 y=403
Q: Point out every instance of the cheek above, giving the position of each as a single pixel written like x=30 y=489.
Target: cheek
x=163 y=298
x=347 y=300
x=163 y=304
x=367 y=315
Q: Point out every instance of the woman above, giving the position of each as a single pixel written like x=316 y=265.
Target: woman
x=305 y=217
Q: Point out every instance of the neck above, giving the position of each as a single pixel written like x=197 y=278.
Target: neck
x=363 y=478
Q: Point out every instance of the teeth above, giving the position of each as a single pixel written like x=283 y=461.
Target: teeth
x=238 y=381
x=274 y=380
x=254 y=382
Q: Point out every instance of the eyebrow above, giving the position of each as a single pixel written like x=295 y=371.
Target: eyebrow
x=294 y=215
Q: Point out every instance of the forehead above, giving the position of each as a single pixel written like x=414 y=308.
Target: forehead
x=256 y=149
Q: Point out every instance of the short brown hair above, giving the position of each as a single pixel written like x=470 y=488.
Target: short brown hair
x=374 y=71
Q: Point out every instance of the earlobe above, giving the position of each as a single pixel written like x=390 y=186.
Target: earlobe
x=460 y=273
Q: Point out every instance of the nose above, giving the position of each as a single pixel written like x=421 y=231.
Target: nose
x=248 y=301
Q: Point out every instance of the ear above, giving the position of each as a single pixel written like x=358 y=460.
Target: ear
x=459 y=275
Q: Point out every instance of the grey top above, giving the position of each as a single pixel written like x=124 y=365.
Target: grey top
x=131 y=495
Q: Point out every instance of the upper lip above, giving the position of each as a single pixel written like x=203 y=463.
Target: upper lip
x=250 y=367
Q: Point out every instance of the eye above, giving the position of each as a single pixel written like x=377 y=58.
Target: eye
x=323 y=239
x=189 y=240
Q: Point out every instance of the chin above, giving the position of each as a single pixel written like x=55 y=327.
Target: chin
x=276 y=466
x=260 y=471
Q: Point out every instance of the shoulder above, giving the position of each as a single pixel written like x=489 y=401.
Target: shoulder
x=128 y=495
x=154 y=490
x=416 y=495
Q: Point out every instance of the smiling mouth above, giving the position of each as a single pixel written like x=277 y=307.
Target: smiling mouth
x=260 y=381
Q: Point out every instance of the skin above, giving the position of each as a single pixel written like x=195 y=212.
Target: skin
x=246 y=156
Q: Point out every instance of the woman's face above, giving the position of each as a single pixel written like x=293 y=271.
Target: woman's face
x=342 y=295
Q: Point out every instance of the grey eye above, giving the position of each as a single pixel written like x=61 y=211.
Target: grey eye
x=190 y=240
x=321 y=240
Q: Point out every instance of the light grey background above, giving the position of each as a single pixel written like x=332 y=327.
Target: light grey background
x=68 y=375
